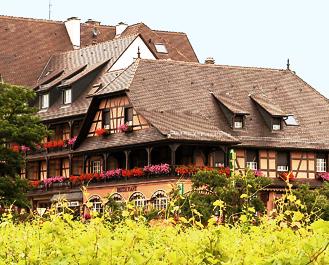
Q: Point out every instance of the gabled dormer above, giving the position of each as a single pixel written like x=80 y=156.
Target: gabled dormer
x=233 y=112
x=271 y=112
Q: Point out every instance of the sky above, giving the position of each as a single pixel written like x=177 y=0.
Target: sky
x=261 y=33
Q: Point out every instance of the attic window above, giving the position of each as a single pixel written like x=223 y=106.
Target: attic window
x=276 y=124
x=129 y=116
x=161 y=48
x=238 y=122
x=290 y=121
x=44 y=101
x=67 y=96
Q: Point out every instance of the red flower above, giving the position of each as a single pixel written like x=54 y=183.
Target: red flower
x=15 y=147
x=74 y=179
x=101 y=131
x=287 y=175
x=60 y=143
x=34 y=183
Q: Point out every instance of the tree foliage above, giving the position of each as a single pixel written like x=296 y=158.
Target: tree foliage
x=18 y=125
x=237 y=193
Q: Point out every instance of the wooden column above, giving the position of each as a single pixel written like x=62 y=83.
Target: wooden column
x=85 y=157
x=47 y=166
x=149 y=151
x=71 y=128
x=105 y=160
x=173 y=148
x=70 y=164
x=127 y=152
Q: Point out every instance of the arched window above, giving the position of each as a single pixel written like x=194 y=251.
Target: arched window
x=117 y=197
x=159 y=200
x=138 y=198
x=97 y=205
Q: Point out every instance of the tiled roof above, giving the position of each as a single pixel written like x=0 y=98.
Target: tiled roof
x=230 y=103
x=26 y=45
x=121 y=139
x=177 y=44
x=178 y=95
x=269 y=106
x=89 y=55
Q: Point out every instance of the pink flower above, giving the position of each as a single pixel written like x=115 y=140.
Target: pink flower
x=56 y=179
x=113 y=173
x=325 y=176
x=123 y=127
x=157 y=169
x=258 y=173
x=25 y=148
x=72 y=140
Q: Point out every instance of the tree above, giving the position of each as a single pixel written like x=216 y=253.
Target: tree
x=19 y=126
x=238 y=193
x=20 y=129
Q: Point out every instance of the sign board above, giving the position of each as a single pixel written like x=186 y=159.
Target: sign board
x=126 y=188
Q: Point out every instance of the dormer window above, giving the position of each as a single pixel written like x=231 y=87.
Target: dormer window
x=161 y=48
x=238 y=122
x=44 y=101
x=276 y=124
x=67 y=96
x=106 y=118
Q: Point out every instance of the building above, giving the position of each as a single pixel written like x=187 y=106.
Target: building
x=140 y=97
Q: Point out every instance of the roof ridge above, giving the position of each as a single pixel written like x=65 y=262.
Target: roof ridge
x=33 y=19
x=169 y=31
x=98 y=44
x=217 y=65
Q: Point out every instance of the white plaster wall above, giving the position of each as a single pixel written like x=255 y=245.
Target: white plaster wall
x=127 y=58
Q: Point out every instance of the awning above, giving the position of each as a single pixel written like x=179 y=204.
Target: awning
x=73 y=196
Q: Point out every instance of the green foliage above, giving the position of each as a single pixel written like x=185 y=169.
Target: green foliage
x=18 y=124
x=13 y=191
x=61 y=240
x=239 y=193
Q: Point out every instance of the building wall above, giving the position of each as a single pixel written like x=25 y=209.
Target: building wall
x=148 y=188
x=128 y=57
x=116 y=107
x=302 y=164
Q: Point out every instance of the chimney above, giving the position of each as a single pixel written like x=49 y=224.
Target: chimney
x=120 y=28
x=209 y=60
x=93 y=22
x=72 y=25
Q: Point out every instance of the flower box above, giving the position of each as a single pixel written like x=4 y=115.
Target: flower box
x=102 y=132
x=286 y=176
x=125 y=128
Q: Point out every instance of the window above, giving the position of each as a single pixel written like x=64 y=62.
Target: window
x=77 y=166
x=290 y=121
x=238 y=122
x=129 y=116
x=276 y=125
x=67 y=96
x=219 y=158
x=97 y=205
x=321 y=163
x=159 y=200
x=138 y=198
x=252 y=159
x=282 y=161
x=106 y=118
x=44 y=101
x=96 y=166
x=161 y=48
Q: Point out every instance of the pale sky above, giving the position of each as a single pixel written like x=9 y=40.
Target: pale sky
x=258 y=33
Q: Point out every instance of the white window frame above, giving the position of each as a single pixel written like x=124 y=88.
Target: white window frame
x=252 y=165
x=276 y=127
x=97 y=206
x=238 y=124
x=161 y=48
x=321 y=165
x=45 y=101
x=67 y=94
x=282 y=168
x=160 y=203
x=96 y=166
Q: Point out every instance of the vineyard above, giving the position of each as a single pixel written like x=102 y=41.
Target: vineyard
x=60 y=240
